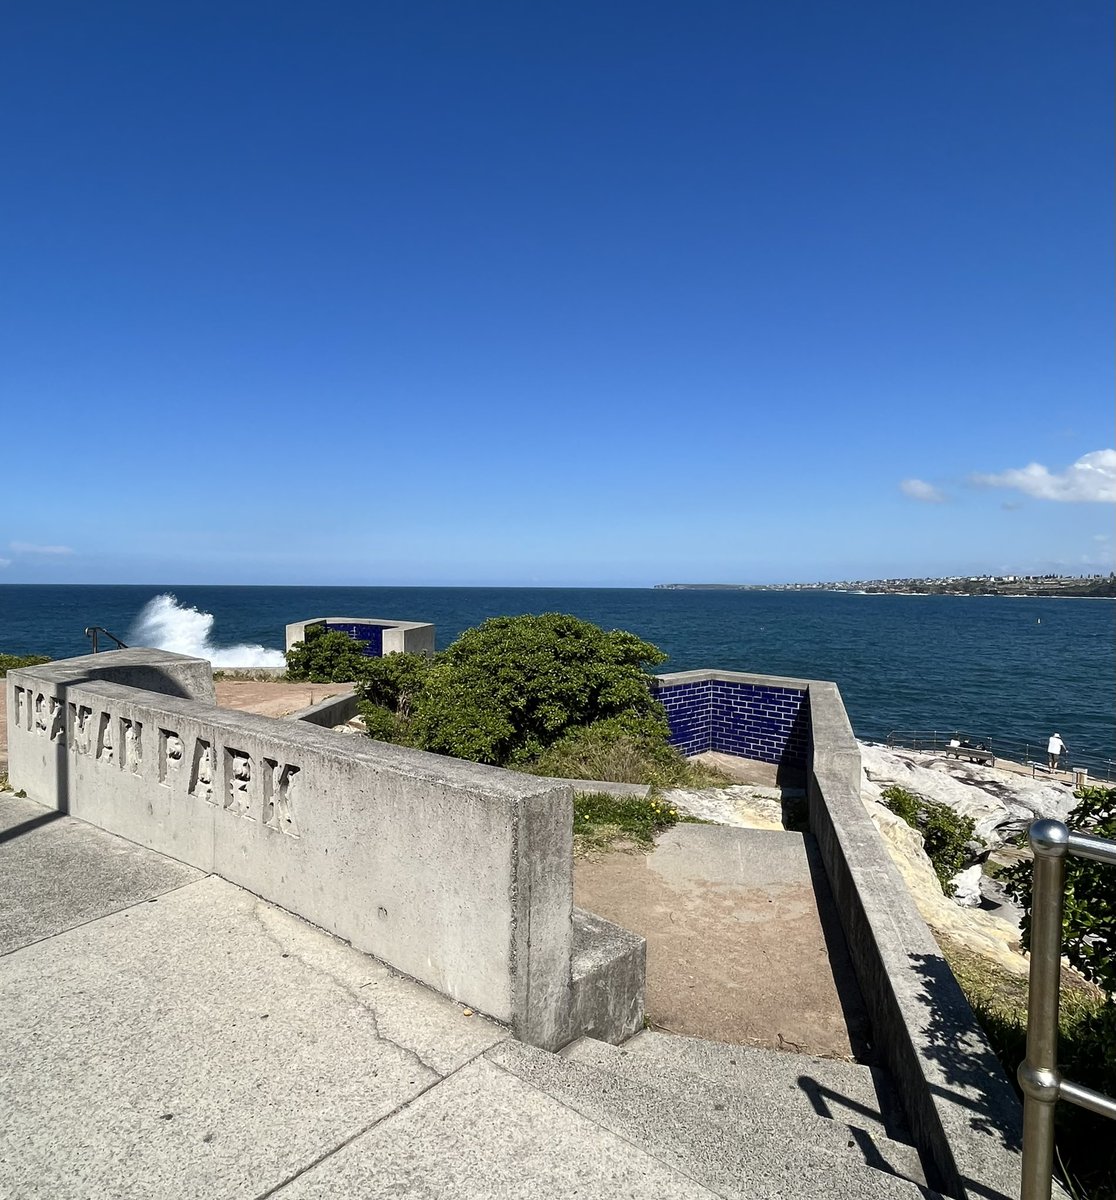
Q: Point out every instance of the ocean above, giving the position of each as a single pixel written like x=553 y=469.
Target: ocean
x=1009 y=668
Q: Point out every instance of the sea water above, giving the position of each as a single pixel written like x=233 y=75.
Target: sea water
x=1006 y=667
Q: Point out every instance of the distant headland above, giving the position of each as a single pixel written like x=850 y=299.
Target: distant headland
x=948 y=585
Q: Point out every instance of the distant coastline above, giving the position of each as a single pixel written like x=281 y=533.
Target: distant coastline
x=1093 y=587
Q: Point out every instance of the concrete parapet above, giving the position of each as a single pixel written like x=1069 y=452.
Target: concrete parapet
x=454 y=873
x=963 y=1113
x=378 y=635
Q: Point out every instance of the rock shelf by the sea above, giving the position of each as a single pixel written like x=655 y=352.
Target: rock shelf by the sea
x=1001 y=803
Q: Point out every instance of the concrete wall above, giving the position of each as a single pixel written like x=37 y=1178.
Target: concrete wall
x=334 y=710
x=963 y=1112
x=456 y=874
x=761 y=717
x=396 y=637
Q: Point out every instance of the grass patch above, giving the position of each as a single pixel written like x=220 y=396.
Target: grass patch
x=1085 y=1020
x=601 y=820
x=613 y=754
x=11 y=662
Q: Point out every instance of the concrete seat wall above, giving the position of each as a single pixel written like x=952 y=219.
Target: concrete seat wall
x=454 y=873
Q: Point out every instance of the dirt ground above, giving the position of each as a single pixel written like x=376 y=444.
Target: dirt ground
x=274 y=699
x=743 y=942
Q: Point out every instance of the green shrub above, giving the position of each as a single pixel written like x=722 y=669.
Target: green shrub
x=600 y=819
x=623 y=750
x=327 y=656
x=11 y=662
x=388 y=692
x=509 y=689
x=945 y=833
x=1089 y=921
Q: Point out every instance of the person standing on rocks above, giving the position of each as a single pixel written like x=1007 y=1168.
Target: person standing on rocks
x=1055 y=748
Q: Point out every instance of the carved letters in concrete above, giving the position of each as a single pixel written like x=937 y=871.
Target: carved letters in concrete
x=171 y=754
x=133 y=745
x=280 y=786
x=22 y=708
x=201 y=773
x=81 y=723
x=57 y=718
x=106 y=747
x=238 y=781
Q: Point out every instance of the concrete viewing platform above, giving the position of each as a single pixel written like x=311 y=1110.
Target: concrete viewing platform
x=168 y=1034
x=242 y=955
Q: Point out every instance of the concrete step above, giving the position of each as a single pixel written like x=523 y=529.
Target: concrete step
x=763 y=1154
x=607 y=968
x=850 y=1092
x=770 y=1087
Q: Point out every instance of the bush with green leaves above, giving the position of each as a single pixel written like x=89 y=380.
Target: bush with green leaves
x=1089 y=921
x=945 y=833
x=510 y=688
x=12 y=662
x=327 y=656
x=1086 y=1049
x=388 y=692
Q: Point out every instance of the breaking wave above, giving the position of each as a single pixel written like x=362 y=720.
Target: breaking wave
x=164 y=624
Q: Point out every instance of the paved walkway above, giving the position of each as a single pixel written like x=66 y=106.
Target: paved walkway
x=169 y=1035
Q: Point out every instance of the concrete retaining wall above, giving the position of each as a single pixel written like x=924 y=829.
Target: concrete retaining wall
x=963 y=1112
x=336 y=710
x=457 y=874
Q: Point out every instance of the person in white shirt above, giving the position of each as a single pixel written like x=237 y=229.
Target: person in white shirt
x=1055 y=748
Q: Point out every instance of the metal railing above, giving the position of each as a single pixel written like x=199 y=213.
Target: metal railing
x=93 y=633
x=1042 y=1083
x=1018 y=750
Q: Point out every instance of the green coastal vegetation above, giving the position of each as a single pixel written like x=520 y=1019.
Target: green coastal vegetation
x=945 y=833
x=12 y=662
x=550 y=695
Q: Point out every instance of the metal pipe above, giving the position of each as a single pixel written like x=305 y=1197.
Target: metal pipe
x=1085 y=1097
x=1038 y=1074
x=1088 y=845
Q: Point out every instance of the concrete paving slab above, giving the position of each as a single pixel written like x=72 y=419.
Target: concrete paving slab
x=59 y=873
x=204 y=1044
x=747 y=1159
x=487 y=1134
x=743 y=942
x=845 y=1091
x=763 y=1096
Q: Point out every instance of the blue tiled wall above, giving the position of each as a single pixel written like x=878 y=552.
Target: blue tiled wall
x=371 y=637
x=759 y=721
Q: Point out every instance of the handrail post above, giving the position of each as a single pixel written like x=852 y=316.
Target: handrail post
x=1038 y=1074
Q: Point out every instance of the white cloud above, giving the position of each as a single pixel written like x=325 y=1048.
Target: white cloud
x=31 y=548
x=1091 y=479
x=919 y=489
x=5 y=562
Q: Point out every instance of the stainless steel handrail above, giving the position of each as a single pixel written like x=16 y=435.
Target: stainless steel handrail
x=1042 y=1083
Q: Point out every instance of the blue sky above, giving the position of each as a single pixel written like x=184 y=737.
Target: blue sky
x=508 y=293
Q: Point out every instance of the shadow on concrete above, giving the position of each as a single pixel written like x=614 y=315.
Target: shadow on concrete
x=791 y=768
x=853 y=1009
x=978 y=1085
x=8 y=835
